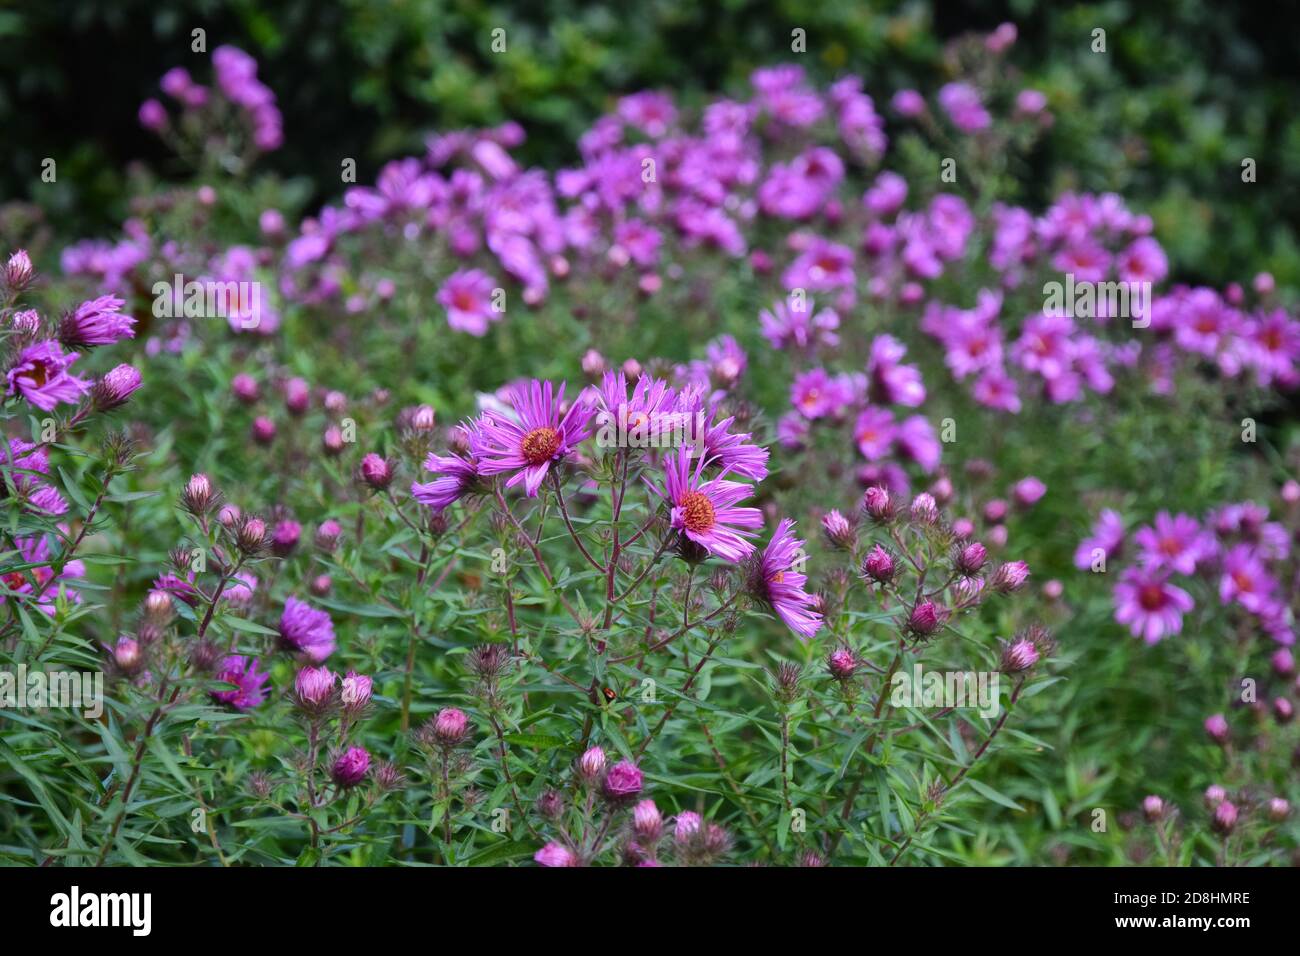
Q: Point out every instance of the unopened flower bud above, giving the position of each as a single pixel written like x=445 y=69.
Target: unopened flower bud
x=1215 y=795
x=924 y=509
x=1153 y=808
x=350 y=767
x=925 y=618
x=1009 y=577
x=550 y=805
x=245 y=388
x=1278 y=809
x=327 y=535
x=1224 y=819
x=263 y=430
x=647 y=822
x=285 y=538
x=313 y=687
x=591 y=764
x=356 y=690
x=250 y=535
x=19 y=271
x=1216 y=727
x=623 y=781
x=1018 y=656
x=971 y=557
x=376 y=472
x=878 y=565
x=450 y=726
x=842 y=663
x=839 y=531
x=297 y=396
x=878 y=504
x=127 y=655
x=320 y=585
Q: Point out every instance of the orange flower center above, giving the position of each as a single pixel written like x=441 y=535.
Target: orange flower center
x=697 y=512
x=540 y=445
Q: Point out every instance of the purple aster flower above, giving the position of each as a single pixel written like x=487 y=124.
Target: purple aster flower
x=456 y=478
x=1151 y=607
x=814 y=394
x=467 y=297
x=539 y=437
x=893 y=383
x=875 y=432
x=40 y=375
x=644 y=419
x=248 y=691
x=1107 y=537
x=776 y=580
x=39 y=582
x=795 y=324
x=917 y=441
x=703 y=510
x=1176 y=543
x=1245 y=579
x=306 y=630
x=96 y=322
x=27 y=467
